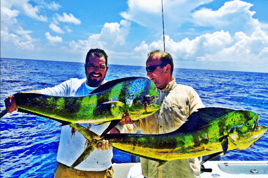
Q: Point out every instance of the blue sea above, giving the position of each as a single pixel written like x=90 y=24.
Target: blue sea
x=29 y=143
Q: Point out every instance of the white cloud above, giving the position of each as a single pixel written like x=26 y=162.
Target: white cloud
x=53 y=39
x=232 y=16
x=21 y=31
x=112 y=35
x=55 y=28
x=190 y=49
x=32 y=12
x=245 y=49
x=148 y=12
x=150 y=6
x=8 y=16
x=53 y=6
x=13 y=36
x=143 y=47
x=68 y=18
x=218 y=46
x=21 y=40
x=68 y=29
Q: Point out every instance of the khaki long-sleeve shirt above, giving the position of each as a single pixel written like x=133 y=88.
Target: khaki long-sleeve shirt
x=177 y=103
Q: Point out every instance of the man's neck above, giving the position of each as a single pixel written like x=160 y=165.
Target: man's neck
x=93 y=86
x=168 y=82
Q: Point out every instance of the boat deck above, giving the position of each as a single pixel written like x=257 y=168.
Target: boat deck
x=220 y=169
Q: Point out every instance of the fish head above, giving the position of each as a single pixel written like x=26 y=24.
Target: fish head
x=251 y=122
x=242 y=121
x=248 y=139
x=141 y=104
x=248 y=132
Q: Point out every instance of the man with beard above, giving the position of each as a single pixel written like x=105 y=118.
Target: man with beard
x=98 y=164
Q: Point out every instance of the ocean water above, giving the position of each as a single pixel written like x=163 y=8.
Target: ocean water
x=29 y=143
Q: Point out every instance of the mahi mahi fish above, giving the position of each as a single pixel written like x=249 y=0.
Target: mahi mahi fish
x=206 y=132
x=132 y=95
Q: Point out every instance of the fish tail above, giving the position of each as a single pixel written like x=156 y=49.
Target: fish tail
x=90 y=136
x=90 y=148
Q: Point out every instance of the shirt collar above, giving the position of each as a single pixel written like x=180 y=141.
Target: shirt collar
x=169 y=86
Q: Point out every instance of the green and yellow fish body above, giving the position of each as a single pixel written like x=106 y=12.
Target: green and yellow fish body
x=132 y=95
x=208 y=131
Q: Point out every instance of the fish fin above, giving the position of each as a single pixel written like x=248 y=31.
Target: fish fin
x=3 y=113
x=64 y=123
x=89 y=149
x=232 y=140
x=224 y=143
x=200 y=118
x=89 y=135
x=58 y=120
x=112 y=83
x=112 y=125
x=116 y=103
x=161 y=163
x=98 y=124
x=211 y=157
x=108 y=106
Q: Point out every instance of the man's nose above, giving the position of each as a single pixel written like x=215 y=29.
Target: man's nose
x=96 y=68
x=150 y=75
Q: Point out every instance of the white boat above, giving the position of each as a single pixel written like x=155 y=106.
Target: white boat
x=219 y=169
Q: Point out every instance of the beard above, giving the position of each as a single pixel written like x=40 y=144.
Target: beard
x=94 y=81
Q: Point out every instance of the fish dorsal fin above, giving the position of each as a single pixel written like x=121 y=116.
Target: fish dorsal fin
x=112 y=83
x=197 y=120
x=21 y=97
x=112 y=125
x=211 y=157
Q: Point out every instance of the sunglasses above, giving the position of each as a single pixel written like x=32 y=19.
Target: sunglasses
x=153 y=67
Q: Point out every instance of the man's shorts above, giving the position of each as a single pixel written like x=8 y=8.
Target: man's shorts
x=62 y=172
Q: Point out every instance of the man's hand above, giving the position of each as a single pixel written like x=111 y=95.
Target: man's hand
x=11 y=104
x=126 y=119
x=104 y=145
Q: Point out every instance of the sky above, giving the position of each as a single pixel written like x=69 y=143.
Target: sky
x=199 y=34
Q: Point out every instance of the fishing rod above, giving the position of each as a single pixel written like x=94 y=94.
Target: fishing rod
x=163 y=25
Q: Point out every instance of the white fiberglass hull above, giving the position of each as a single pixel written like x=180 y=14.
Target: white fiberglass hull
x=220 y=169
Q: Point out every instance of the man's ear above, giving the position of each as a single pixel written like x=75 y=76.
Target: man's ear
x=85 y=67
x=107 y=67
x=168 y=68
